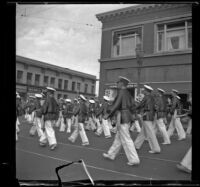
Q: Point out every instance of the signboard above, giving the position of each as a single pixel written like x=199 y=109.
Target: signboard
x=34 y=89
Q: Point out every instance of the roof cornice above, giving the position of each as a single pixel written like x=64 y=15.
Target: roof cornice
x=136 y=10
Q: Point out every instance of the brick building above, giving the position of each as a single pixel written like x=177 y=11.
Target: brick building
x=33 y=76
x=164 y=32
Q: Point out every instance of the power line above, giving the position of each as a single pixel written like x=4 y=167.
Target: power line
x=37 y=12
x=65 y=21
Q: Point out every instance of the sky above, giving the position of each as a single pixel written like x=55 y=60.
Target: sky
x=65 y=35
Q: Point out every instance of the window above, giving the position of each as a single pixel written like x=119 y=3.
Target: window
x=29 y=78
x=37 y=79
x=46 y=80
x=86 y=88
x=66 y=85
x=174 y=36
x=65 y=96
x=73 y=86
x=92 y=89
x=19 y=76
x=52 y=81
x=59 y=96
x=124 y=42
x=59 y=83
x=78 y=86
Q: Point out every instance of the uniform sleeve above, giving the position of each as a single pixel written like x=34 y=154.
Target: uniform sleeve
x=44 y=107
x=141 y=104
x=76 y=110
x=99 y=111
x=117 y=104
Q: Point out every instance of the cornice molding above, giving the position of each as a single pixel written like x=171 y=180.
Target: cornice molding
x=135 y=10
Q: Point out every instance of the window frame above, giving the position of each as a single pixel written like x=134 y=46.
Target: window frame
x=185 y=28
x=66 y=87
x=38 y=80
x=44 y=83
x=52 y=78
x=27 y=81
x=21 y=78
x=60 y=81
x=125 y=29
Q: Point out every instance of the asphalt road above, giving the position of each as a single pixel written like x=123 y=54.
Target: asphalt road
x=38 y=163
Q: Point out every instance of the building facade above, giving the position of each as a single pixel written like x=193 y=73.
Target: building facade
x=33 y=76
x=164 y=32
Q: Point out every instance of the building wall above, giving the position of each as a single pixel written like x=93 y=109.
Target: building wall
x=166 y=70
x=22 y=86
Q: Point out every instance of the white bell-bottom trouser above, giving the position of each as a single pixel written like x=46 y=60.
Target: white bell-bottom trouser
x=123 y=139
x=187 y=160
x=176 y=124
x=49 y=134
x=58 y=122
x=189 y=128
x=79 y=130
x=136 y=126
x=160 y=125
x=147 y=132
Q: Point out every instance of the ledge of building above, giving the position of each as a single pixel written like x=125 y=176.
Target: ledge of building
x=146 y=56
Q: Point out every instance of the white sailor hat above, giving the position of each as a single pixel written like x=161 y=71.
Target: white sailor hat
x=32 y=96
x=38 y=95
x=18 y=96
x=83 y=98
x=68 y=100
x=50 y=89
x=148 y=87
x=175 y=91
x=161 y=90
x=17 y=93
x=91 y=101
x=123 y=79
x=106 y=98
x=178 y=97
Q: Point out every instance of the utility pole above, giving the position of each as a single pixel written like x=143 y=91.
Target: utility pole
x=139 y=56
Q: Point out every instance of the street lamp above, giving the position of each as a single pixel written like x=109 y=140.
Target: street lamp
x=139 y=55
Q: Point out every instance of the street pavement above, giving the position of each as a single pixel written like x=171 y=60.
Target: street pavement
x=34 y=162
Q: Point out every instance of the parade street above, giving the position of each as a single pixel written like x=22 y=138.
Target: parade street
x=34 y=162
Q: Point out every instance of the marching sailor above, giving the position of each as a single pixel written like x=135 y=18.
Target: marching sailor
x=175 y=121
x=38 y=115
x=160 y=107
x=91 y=111
x=103 y=111
x=49 y=110
x=67 y=115
x=147 y=122
x=81 y=112
x=122 y=106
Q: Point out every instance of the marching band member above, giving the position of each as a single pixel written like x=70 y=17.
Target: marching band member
x=91 y=111
x=160 y=107
x=189 y=128
x=17 y=114
x=103 y=111
x=147 y=122
x=49 y=110
x=122 y=106
x=60 y=117
x=38 y=115
x=67 y=115
x=81 y=112
x=175 y=121
x=32 y=119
